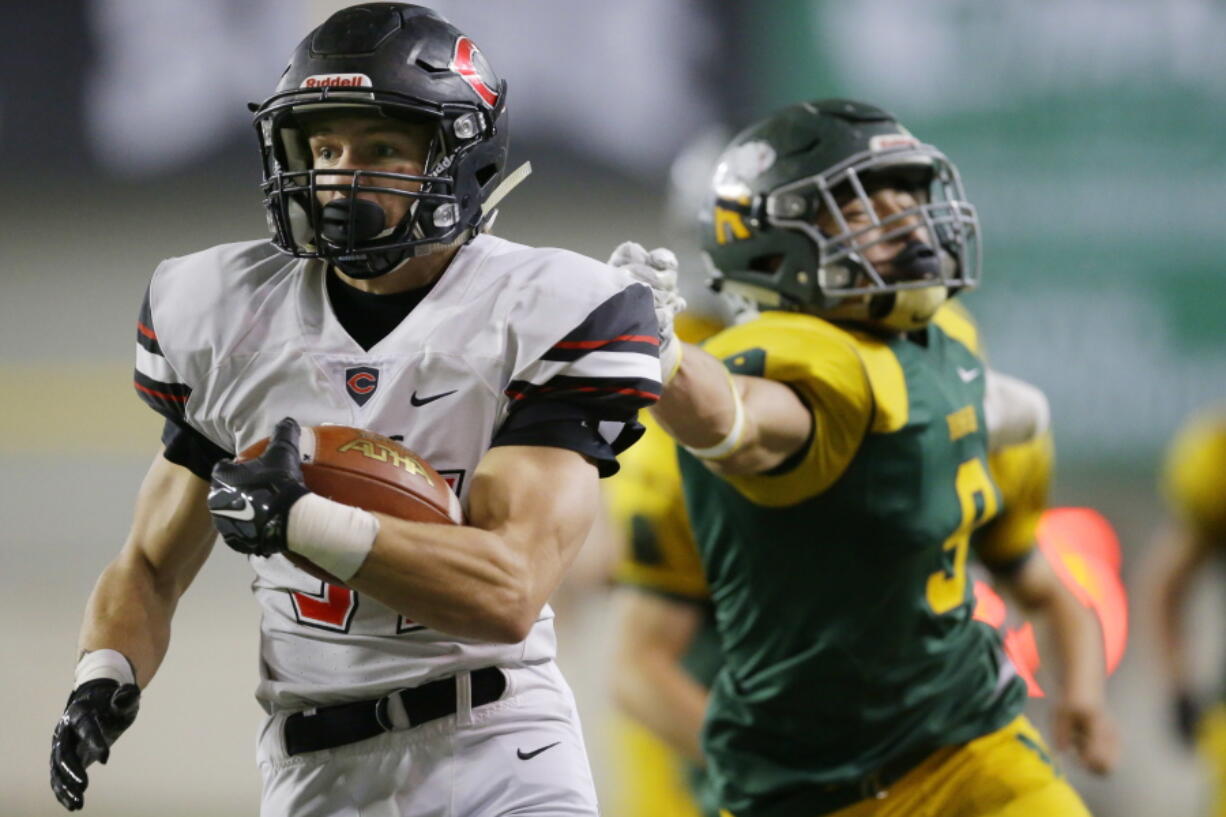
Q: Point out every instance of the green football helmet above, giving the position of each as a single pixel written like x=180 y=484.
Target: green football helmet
x=776 y=178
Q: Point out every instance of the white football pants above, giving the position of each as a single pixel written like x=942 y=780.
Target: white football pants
x=463 y=765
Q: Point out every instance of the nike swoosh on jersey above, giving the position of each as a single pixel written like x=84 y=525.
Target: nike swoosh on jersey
x=968 y=375
x=522 y=755
x=421 y=401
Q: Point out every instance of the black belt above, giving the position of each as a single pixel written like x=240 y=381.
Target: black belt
x=330 y=726
x=873 y=785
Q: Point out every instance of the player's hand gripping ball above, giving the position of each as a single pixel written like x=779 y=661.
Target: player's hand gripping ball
x=354 y=467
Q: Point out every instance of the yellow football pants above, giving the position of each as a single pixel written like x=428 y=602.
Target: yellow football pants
x=650 y=776
x=1007 y=773
x=1211 y=741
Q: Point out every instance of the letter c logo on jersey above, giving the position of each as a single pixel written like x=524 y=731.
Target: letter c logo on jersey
x=471 y=65
x=361 y=382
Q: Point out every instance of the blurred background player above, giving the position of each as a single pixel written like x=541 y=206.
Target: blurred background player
x=1191 y=544
x=835 y=483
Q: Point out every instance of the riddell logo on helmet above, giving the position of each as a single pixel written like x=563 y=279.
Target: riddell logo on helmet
x=337 y=81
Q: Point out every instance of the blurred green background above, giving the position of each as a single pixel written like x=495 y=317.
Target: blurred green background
x=1090 y=137
x=1089 y=134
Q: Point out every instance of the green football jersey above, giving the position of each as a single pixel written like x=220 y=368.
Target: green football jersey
x=839 y=579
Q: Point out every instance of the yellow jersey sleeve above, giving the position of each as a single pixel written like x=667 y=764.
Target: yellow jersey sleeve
x=827 y=368
x=646 y=503
x=1022 y=472
x=1194 y=477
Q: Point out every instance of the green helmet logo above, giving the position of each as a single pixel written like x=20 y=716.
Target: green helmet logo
x=809 y=164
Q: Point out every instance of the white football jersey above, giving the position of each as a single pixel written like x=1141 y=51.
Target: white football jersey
x=236 y=337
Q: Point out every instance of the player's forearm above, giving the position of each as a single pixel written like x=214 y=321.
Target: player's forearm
x=656 y=692
x=1079 y=645
x=130 y=611
x=1170 y=611
x=460 y=580
x=1075 y=632
x=737 y=424
x=1177 y=558
x=697 y=407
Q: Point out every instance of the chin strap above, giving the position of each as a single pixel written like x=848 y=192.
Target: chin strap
x=509 y=183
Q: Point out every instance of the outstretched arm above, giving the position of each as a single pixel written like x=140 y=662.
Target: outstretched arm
x=736 y=424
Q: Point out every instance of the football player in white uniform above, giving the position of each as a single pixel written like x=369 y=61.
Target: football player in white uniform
x=425 y=684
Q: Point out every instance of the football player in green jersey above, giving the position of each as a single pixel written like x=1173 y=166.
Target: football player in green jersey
x=835 y=477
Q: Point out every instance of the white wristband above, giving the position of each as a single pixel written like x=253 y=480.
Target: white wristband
x=670 y=360
x=336 y=537
x=104 y=664
x=733 y=438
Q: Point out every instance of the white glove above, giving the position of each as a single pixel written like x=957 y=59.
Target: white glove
x=658 y=270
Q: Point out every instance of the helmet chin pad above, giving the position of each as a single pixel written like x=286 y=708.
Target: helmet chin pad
x=349 y=222
x=907 y=309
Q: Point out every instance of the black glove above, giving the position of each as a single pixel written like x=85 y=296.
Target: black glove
x=1186 y=711
x=250 y=500
x=97 y=713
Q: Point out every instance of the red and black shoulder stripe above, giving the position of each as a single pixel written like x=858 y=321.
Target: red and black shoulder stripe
x=154 y=379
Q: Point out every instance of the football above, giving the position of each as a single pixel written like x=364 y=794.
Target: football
x=369 y=471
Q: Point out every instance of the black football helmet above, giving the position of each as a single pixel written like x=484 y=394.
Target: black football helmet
x=403 y=62
x=759 y=225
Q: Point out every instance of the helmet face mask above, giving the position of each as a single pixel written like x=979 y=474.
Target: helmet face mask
x=406 y=64
x=782 y=178
x=942 y=210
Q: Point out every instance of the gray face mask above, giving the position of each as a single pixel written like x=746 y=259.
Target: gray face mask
x=946 y=216
x=904 y=310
